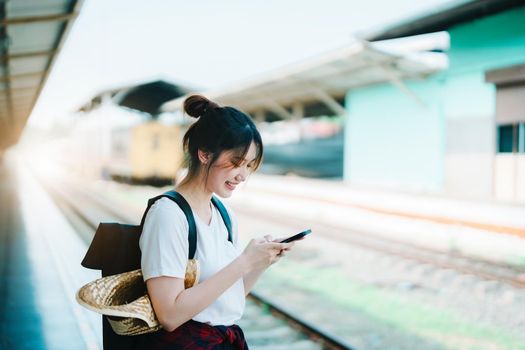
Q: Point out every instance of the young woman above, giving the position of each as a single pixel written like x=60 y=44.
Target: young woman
x=223 y=147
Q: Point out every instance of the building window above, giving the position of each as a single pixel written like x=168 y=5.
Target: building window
x=505 y=138
x=521 y=138
x=510 y=109
x=511 y=138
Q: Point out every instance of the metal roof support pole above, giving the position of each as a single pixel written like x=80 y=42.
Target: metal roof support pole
x=298 y=110
x=330 y=102
x=396 y=81
x=279 y=110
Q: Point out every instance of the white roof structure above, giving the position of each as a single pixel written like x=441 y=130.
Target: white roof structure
x=32 y=33
x=328 y=77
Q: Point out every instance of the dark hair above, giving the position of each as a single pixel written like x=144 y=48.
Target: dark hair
x=218 y=129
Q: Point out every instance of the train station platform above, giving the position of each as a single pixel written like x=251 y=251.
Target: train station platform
x=40 y=271
x=40 y=252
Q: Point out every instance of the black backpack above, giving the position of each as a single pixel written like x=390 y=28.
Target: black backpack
x=115 y=249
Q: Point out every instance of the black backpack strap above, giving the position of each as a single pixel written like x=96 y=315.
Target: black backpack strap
x=224 y=214
x=185 y=207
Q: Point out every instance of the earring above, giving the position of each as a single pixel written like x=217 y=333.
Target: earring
x=203 y=157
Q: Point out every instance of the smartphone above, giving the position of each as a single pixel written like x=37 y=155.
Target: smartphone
x=297 y=236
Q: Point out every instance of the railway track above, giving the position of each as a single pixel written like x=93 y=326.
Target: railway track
x=447 y=281
x=484 y=270
x=267 y=325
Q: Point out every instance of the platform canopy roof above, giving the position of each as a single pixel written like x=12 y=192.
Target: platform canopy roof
x=146 y=97
x=32 y=33
x=327 y=78
x=440 y=18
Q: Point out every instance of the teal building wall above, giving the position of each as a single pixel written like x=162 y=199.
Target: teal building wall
x=488 y=43
x=448 y=144
x=475 y=48
x=394 y=139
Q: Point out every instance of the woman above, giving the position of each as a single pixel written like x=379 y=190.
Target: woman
x=223 y=147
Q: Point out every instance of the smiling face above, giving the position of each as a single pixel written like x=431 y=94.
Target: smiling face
x=228 y=171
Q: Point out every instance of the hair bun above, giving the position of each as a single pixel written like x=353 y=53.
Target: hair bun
x=197 y=105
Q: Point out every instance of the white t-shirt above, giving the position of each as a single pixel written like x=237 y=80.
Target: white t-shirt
x=164 y=245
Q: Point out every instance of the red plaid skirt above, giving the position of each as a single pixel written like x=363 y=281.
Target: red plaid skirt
x=194 y=335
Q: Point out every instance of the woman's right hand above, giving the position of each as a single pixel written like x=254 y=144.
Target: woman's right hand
x=260 y=253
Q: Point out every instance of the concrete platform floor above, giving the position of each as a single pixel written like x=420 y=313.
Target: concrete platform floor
x=40 y=271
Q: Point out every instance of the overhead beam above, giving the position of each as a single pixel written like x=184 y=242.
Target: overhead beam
x=21 y=105
x=37 y=19
x=21 y=76
x=14 y=56
x=25 y=88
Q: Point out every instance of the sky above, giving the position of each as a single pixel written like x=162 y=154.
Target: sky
x=202 y=44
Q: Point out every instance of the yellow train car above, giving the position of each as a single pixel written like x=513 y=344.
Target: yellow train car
x=148 y=153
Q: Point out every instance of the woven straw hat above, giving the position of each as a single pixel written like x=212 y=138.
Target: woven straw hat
x=124 y=299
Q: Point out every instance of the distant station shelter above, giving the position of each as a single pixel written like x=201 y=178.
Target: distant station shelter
x=433 y=104
x=119 y=134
